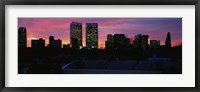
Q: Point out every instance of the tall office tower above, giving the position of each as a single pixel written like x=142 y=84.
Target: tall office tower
x=76 y=35
x=154 y=43
x=91 y=35
x=51 y=40
x=38 y=43
x=145 y=41
x=138 y=41
x=110 y=41
x=22 y=37
x=168 y=40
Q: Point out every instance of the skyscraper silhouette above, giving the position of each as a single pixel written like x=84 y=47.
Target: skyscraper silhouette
x=168 y=40
x=138 y=41
x=76 y=35
x=51 y=39
x=120 y=41
x=54 y=43
x=91 y=35
x=38 y=43
x=22 y=37
x=110 y=41
x=145 y=41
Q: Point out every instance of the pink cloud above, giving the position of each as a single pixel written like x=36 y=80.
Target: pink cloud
x=60 y=28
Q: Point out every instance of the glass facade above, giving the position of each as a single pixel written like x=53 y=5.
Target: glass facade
x=76 y=34
x=91 y=35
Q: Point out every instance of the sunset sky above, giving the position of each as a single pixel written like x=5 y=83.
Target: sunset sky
x=156 y=28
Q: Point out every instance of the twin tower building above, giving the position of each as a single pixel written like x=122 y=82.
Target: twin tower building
x=91 y=35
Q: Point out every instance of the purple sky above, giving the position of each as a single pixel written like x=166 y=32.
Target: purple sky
x=156 y=28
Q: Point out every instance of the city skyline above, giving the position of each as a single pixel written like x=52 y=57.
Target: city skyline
x=60 y=28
